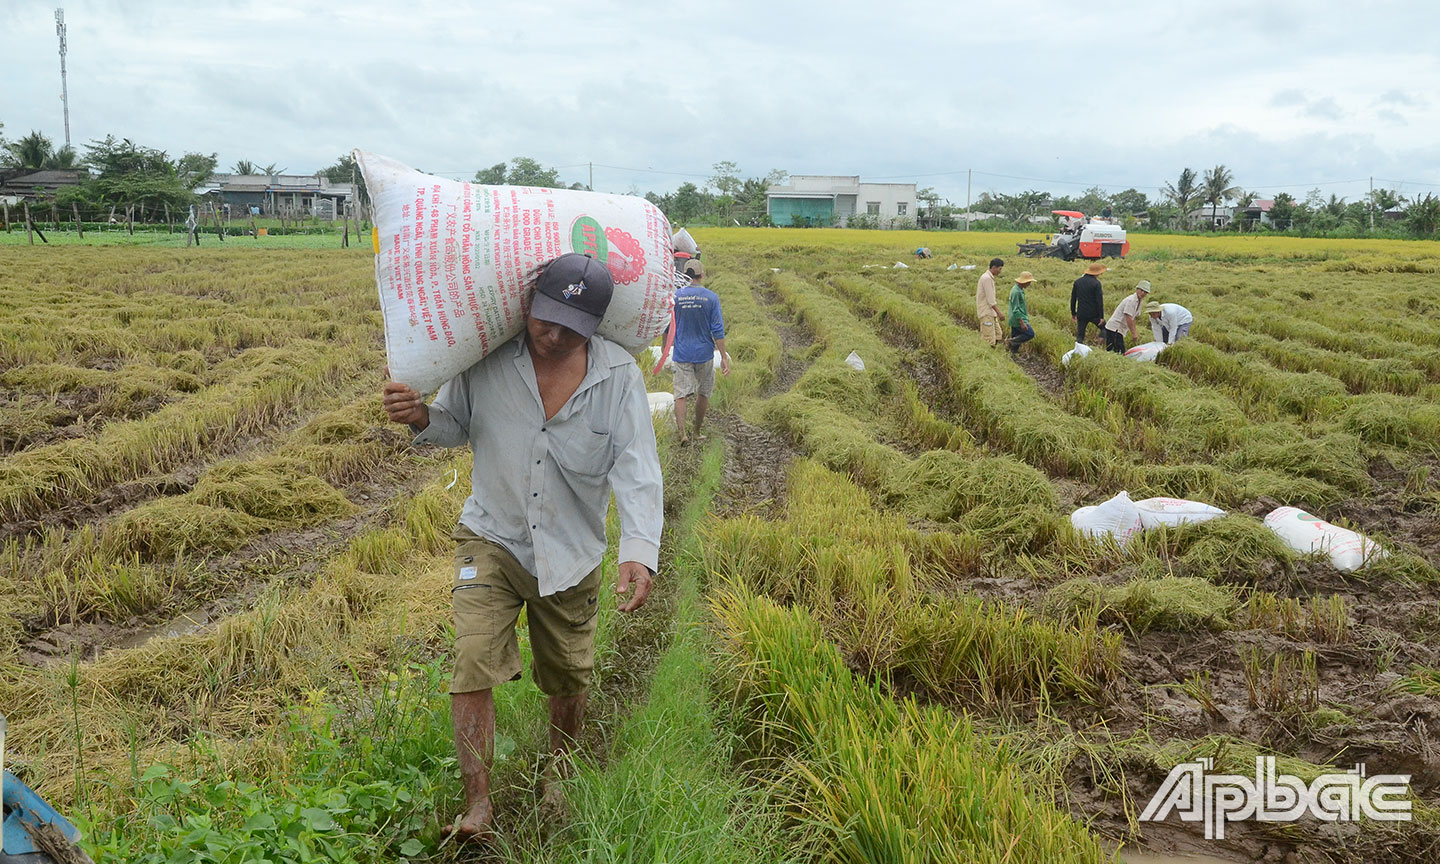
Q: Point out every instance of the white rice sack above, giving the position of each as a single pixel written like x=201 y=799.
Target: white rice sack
x=1147 y=352
x=683 y=242
x=1308 y=534
x=1080 y=350
x=456 y=263
x=1118 y=518
x=662 y=404
x=854 y=362
x=900 y=265
x=1155 y=512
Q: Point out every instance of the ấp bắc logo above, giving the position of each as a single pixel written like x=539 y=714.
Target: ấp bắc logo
x=1215 y=799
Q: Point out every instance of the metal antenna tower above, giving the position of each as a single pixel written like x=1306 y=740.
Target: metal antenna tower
x=64 y=86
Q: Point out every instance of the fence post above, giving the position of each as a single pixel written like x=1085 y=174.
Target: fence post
x=29 y=235
x=169 y=225
x=54 y=216
x=79 y=226
x=130 y=219
x=5 y=205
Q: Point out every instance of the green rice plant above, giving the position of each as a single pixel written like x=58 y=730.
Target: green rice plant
x=1200 y=688
x=833 y=437
x=1334 y=458
x=1393 y=420
x=1421 y=680
x=882 y=780
x=1004 y=501
x=1232 y=549
x=1282 y=683
x=1168 y=603
x=871 y=581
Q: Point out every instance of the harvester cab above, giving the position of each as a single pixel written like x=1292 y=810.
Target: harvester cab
x=1079 y=237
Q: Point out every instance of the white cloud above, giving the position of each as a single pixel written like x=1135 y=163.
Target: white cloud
x=1123 y=98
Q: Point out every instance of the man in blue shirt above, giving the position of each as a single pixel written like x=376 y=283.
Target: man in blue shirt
x=699 y=333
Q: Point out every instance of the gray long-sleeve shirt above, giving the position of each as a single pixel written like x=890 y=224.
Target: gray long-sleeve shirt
x=541 y=488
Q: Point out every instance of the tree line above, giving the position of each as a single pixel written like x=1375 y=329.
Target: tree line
x=120 y=172
x=1182 y=203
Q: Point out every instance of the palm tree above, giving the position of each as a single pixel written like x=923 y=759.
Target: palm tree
x=30 y=152
x=1219 y=184
x=270 y=170
x=62 y=159
x=1184 y=192
x=244 y=166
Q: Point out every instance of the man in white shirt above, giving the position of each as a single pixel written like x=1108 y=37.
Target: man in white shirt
x=1169 y=322
x=1122 y=320
x=558 y=419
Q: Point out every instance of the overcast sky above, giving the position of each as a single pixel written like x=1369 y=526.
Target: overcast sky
x=1056 y=95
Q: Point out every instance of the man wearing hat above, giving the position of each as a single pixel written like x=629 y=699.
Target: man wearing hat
x=699 y=333
x=1019 y=320
x=1123 y=318
x=1169 y=322
x=1087 y=301
x=558 y=419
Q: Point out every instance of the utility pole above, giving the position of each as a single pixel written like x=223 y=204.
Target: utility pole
x=591 y=187
x=64 y=85
x=1372 y=205
x=967 y=199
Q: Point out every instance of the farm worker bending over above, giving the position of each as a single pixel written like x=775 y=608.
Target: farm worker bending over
x=985 y=308
x=1169 y=322
x=1123 y=319
x=1087 y=301
x=1020 y=329
x=699 y=333
x=557 y=418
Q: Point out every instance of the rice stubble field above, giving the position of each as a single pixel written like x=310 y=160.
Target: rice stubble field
x=220 y=566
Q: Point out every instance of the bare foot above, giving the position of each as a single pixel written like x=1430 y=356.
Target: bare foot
x=476 y=825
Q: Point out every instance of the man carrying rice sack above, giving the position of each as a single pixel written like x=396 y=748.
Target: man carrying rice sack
x=699 y=334
x=557 y=419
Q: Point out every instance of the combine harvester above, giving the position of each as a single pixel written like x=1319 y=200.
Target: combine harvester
x=1079 y=237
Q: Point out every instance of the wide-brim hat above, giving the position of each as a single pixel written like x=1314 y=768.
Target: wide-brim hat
x=1024 y=278
x=573 y=291
x=1143 y=285
x=1153 y=307
x=1096 y=268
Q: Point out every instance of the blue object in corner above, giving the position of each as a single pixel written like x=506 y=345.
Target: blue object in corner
x=23 y=810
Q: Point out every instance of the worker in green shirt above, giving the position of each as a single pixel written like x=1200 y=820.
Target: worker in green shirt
x=1020 y=329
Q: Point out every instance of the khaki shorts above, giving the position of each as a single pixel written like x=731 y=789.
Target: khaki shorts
x=490 y=589
x=692 y=378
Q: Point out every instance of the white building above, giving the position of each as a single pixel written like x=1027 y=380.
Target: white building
x=823 y=199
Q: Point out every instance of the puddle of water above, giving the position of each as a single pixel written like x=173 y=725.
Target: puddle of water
x=192 y=622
